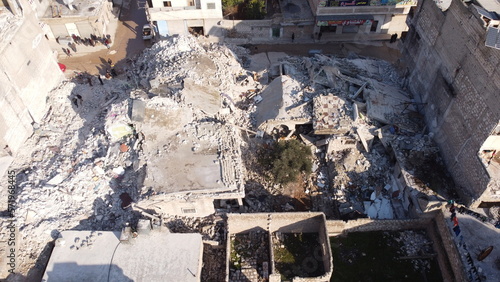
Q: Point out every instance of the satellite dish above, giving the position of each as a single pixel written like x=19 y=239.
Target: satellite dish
x=484 y=253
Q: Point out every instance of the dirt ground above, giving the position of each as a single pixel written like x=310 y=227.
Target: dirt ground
x=127 y=43
x=377 y=49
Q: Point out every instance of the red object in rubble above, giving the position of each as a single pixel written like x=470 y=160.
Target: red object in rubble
x=62 y=67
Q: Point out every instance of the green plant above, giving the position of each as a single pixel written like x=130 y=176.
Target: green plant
x=283 y=161
x=247 y=9
x=254 y=9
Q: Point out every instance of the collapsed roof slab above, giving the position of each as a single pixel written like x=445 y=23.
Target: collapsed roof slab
x=159 y=118
x=329 y=76
x=204 y=97
x=390 y=105
x=331 y=115
x=281 y=104
x=200 y=158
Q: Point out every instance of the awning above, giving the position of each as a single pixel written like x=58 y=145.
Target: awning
x=344 y=17
x=62 y=67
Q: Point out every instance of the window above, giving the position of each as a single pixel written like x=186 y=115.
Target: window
x=167 y=3
x=190 y=3
x=373 y=28
x=211 y=6
x=188 y=210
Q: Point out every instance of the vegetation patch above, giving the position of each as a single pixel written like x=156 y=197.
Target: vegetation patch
x=379 y=256
x=283 y=161
x=244 y=9
x=298 y=254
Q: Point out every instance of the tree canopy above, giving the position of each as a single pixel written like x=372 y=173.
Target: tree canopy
x=283 y=161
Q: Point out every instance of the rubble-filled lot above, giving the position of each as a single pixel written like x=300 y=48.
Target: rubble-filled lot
x=249 y=258
x=384 y=256
x=298 y=254
x=86 y=165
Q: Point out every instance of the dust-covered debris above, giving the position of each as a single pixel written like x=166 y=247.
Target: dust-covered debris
x=102 y=148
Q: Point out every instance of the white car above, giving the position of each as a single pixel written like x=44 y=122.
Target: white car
x=148 y=32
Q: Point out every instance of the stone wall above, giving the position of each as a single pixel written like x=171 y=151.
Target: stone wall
x=300 y=222
x=453 y=73
x=28 y=71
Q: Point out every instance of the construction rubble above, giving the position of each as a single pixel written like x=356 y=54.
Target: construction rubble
x=181 y=125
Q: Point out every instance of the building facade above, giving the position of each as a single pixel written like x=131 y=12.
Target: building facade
x=198 y=17
x=452 y=68
x=359 y=19
x=80 y=17
x=28 y=71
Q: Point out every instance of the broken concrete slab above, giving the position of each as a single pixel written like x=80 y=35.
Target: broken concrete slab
x=138 y=110
x=331 y=115
x=341 y=143
x=390 y=105
x=203 y=97
x=281 y=105
x=365 y=136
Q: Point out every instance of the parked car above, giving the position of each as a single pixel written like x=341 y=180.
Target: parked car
x=148 y=32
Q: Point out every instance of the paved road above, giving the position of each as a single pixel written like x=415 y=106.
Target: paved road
x=376 y=49
x=127 y=42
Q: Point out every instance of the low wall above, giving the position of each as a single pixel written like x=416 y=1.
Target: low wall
x=302 y=222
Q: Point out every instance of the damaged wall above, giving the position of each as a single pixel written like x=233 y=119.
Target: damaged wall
x=434 y=224
x=285 y=223
x=28 y=71
x=455 y=75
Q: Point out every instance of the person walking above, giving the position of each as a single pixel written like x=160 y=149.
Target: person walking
x=293 y=37
x=319 y=35
x=69 y=52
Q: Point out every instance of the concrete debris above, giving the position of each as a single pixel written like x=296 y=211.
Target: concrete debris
x=172 y=137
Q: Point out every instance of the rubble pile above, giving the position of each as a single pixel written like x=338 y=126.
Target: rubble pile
x=71 y=175
x=249 y=258
x=416 y=247
x=101 y=148
x=355 y=116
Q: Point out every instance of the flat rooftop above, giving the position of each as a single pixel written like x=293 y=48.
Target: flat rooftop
x=184 y=157
x=81 y=8
x=99 y=256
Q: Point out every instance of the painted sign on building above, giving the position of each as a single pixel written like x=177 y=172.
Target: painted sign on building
x=354 y=3
x=344 y=22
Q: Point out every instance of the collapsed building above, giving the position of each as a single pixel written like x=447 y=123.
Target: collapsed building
x=169 y=140
x=192 y=171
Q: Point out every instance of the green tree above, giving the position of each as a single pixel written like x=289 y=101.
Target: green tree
x=254 y=9
x=283 y=161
